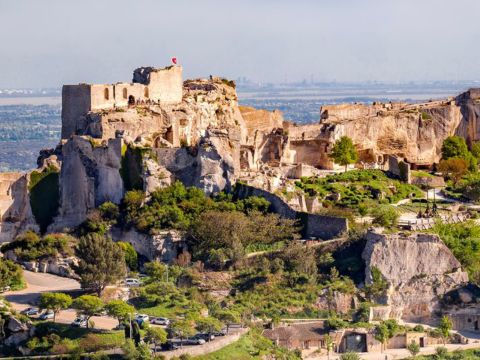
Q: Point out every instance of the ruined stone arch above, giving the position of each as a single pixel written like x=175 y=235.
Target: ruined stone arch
x=125 y=93
x=106 y=94
x=146 y=93
x=131 y=100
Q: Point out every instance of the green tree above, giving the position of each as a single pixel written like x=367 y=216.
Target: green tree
x=131 y=256
x=454 y=147
x=329 y=345
x=10 y=274
x=228 y=317
x=344 y=152
x=102 y=262
x=381 y=334
x=183 y=328
x=156 y=336
x=413 y=348
x=444 y=328
x=55 y=302
x=208 y=325
x=88 y=306
x=120 y=310
x=453 y=168
x=156 y=270
x=131 y=352
x=475 y=150
x=386 y=330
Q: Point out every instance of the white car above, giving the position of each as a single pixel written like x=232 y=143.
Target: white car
x=141 y=318
x=160 y=321
x=132 y=282
x=79 y=322
x=30 y=311
x=47 y=315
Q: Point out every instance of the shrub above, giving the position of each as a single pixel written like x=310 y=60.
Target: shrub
x=385 y=216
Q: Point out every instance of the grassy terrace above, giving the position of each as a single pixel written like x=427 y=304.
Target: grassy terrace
x=61 y=339
x=356 y=189
x=250 y=346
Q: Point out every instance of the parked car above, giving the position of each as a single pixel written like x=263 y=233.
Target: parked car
x=222 y=332
x=79 y=322
x=130 y=282
x=169 y=346
x=5 y=289
x=141 y=318
x=194 y=340
x=160 y=321
x=47 y=315
x=205 y=336
x=30 y=311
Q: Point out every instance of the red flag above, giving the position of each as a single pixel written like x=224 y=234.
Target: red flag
x=174 y=61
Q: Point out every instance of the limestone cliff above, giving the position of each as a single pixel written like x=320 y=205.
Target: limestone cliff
x=90 y=175
x=419 y=268
x=15 y=211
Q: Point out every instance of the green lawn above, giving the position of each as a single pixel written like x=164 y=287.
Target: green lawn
x=250 y=346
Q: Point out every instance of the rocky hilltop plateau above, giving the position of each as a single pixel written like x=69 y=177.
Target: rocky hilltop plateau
x=160 y=129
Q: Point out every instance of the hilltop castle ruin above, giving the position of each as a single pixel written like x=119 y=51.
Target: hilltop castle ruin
x=159 y=129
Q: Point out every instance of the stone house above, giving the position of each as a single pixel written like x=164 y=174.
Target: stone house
x=299 y=336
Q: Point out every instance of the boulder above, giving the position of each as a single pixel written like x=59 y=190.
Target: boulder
x=14 y=325
x=419 y=268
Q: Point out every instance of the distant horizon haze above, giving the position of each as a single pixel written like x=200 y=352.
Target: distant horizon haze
x=54 y=42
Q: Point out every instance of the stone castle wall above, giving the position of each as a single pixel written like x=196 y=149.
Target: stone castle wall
x=163 y=86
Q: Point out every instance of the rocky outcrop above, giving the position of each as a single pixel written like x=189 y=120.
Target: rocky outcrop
x=90 y=176
x=57 y=265
x=337 y=301
x=15 y=211
x=164 y=246
x=419 y=269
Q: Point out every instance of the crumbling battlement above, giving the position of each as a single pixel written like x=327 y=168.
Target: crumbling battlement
x=160 y=86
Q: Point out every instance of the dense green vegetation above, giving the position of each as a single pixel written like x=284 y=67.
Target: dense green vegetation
x=464 y=241
x=29 y=246
x=360 y=190
x=63 y=339
x=442 y=353
x=10 y=275
x=131 y=167
x=44 y=196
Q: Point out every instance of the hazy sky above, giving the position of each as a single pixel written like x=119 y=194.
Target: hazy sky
x=51 y=42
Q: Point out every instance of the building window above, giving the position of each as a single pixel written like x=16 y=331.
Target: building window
x=125 y=94
x=106 y=94
x=145 y=92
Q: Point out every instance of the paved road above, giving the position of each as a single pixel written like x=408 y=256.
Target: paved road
x=40 y=282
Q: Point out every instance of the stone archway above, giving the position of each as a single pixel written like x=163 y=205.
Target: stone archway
x=131 y=100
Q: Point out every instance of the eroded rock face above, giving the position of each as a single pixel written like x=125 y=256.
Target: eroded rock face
x=164 y=246
x=419 y=268
x=15 y=212
x=337 y=301
x=90 y=176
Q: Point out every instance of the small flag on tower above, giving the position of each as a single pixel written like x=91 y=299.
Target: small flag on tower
x=174 y=60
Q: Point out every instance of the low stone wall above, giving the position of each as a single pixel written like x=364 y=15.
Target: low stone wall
x=313 y=225
x=209 y=347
